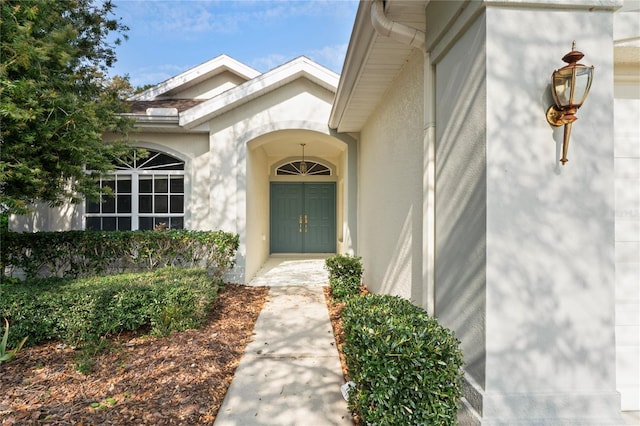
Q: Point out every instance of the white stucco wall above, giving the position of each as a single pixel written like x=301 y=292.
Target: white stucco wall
x=297 y=105
x=390 y=160
x=550 y=228
x=627 y=192
x=461 y=195
x=210 y=87
x=627 y=235
x=524 y=246
x=257 y=234
x=43 y=218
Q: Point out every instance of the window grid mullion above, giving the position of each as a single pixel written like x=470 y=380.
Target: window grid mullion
x=135 y=222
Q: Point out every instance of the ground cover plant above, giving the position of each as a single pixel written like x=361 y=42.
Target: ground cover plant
x=139 y=379
x=82 y=311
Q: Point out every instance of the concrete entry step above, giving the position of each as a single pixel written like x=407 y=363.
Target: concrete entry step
x=292 y=270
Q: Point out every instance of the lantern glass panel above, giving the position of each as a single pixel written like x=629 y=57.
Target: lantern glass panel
x=582 y=84
x=562 y=86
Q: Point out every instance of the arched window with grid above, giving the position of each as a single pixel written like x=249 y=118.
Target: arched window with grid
x=303 y=168
x=144 y=193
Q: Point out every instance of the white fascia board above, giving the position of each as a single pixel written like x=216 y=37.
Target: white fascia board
x=155 y=119
x=555 y=4
x=212 y=67
x=298 y=68
x=162 y=123
x=360 y=43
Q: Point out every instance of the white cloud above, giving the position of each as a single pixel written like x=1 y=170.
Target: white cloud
x=269 y=62
x=186 y=19
x=155 y=75
x=331 y=57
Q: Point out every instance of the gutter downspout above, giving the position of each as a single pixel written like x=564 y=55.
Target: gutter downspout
x=397 y=31
x=416 y=38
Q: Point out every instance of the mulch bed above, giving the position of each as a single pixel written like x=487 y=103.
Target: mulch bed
x=141 y=380
x=335 y=309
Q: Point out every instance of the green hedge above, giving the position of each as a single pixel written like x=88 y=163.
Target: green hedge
x=345 y=276
x=86 y=253
x=77 y=311
x=406 y=367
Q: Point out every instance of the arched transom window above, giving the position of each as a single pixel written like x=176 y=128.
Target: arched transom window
x=145 y=193
x=303 y=168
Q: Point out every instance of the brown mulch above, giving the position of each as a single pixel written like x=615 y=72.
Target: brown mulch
x=335 y=309
x=141 y=380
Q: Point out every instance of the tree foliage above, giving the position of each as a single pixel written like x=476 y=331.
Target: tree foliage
x=56 y=100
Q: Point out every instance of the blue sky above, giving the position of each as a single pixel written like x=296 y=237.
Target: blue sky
x=167 y=37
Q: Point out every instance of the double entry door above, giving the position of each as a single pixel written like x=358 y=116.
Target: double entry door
x=303 y=217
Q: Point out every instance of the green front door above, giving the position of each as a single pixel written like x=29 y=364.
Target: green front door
x=303 y=217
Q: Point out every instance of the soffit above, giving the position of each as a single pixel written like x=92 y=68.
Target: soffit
x=286 y=143
x=373 y=61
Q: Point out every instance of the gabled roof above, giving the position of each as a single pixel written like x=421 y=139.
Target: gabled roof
x=195 y=75
x=300 y=67
x=155 y=108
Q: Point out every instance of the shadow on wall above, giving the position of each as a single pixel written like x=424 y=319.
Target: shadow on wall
x=545 y=275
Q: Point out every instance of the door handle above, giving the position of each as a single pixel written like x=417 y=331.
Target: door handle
x=299 y=223
x=306 y=223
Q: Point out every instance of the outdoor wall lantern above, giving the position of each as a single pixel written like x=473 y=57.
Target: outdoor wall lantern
x=570 y=86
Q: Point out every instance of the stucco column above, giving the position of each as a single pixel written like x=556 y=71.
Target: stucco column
x=524 y=245
x=550 y=350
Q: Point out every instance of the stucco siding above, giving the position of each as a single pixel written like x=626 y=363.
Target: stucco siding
x=299 y=102
x=299 y=105
x=210 y=87
x=549 y=341
x=524 y=245
x=550 y=227
x=460 y=221
x=390 y=188
x=257 y=232
x=627 y=235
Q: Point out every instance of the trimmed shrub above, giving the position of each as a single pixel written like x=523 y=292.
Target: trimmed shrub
x=84 y=310
x=86 y=253
x=345 y=275
x=406 y=366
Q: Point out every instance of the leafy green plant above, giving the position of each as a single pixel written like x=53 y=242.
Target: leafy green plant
x=84 y=358
x=345 y=275
x=78 y=254
x=7 y=355
x=406 y=366
x=81 y=311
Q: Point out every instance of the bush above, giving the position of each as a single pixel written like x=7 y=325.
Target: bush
x=86 y=253
x=85 y=310
x=345 y=275
x=407 y=367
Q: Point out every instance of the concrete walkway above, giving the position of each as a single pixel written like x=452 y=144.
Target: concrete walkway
x=290 y=373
